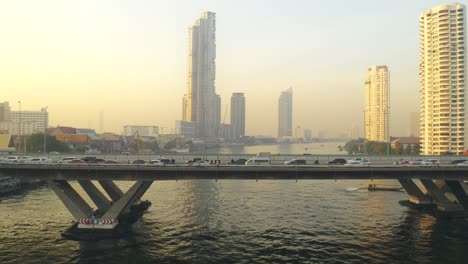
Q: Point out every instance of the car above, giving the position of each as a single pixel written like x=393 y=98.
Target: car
x=38 y=161
x=464 y=163
x=200 y=163
x=456 y=162
x=157 y=162
x=188 y=162
x=295 y=162
x=431 y=162
x=76 y=161
x=258 y=161
x=22 y=159
x=67 y=160
x=88 y=159
x=138 y=162
x=405 y=163
x=12 y=159
x=338 y=161
x=417 y=162
x=358 y=162
x=238 y=162
x=110 y=162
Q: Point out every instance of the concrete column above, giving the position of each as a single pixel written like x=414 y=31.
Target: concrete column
x=124 y=203
x=71 y=199
x=96 y=196
x=112 y=190
x=458 y=190
x=437 y=195
x=415 y=193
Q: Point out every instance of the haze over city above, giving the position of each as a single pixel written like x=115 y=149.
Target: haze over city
x=129 y=59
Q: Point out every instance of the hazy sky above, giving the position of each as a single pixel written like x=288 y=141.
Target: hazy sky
x=129 y=59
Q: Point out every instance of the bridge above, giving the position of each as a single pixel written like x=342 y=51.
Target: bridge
x=442 y=187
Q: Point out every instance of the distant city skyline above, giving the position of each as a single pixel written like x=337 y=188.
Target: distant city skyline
x=106 y=55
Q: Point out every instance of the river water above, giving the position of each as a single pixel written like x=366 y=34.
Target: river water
x=241 y=222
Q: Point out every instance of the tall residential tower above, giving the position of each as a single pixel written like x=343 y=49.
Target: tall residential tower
x=377 y=103
x=238 y=115
x=442 y=74
x=285 y=114
x=202 y=105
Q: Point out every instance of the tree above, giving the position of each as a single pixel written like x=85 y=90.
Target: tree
x=170 y=145
x=35 y=144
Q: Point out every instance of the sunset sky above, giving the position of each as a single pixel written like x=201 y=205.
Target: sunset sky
x=129 y=59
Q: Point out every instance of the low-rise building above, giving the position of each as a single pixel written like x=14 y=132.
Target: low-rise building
x=142 y=131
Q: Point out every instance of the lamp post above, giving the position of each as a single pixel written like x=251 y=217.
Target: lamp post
x=19 y=127
x=46 y=117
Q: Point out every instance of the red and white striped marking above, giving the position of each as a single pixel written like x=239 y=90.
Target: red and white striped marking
x=102 y=223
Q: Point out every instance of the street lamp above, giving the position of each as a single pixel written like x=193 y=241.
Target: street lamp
x=45 y=129
x=19 y=127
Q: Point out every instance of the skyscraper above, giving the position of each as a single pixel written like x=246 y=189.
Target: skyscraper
x=201 y=103
x=442 y=74
x=285 y=114
x=238 y=115
x=414 y=124
x=376 y=112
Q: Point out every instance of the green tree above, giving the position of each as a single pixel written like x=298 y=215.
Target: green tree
x=170 y=145
x=35 y=144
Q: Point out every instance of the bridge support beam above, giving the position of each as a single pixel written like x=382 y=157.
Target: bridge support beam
x=125 y=207
x=75 y=204
x=417 y=196
x=112 y=190
x=96 y=196
x=459 y=190
x=128 y=199
x=437 y=191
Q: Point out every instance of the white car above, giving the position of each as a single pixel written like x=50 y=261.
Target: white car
x=156 y=162
x=38 y=161
x=430 y=162
x=464 y=163
x=12 y=159
x=358 y=162
x=201 y=163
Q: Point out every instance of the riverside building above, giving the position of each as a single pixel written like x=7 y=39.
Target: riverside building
x=377 y=104
x=442 y=75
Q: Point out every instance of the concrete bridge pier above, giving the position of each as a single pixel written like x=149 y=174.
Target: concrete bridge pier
x=125 y=208
x=417 y=197
x=443 y=197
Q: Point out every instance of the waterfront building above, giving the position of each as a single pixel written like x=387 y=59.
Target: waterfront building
x=377 y=104
x=185 y=129
x=442 y=75
x=201 y=104
x=285 y=114
x=414 y=124
x=238 y=115
x=142 y=131
x=23 y=122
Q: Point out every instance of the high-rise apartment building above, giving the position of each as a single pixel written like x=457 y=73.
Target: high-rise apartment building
x=238 y=115
x=442 y=74
x=285 y=114
x=377 y=104
x=414 y=124
x=202 y=105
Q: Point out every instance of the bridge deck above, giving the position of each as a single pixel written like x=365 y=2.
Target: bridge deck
x=138 y=172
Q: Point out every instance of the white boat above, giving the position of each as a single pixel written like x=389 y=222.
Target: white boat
x=185 y=150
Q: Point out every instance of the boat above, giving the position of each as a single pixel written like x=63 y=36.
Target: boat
x=9 y=185
x=374 y=187
x=185 y=150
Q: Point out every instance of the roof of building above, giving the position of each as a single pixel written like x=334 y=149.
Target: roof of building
x=72 y=138
x=6 y=142
x=406 y=140
x=61 y=130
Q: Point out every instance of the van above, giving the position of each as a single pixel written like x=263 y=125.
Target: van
x=256 y=161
